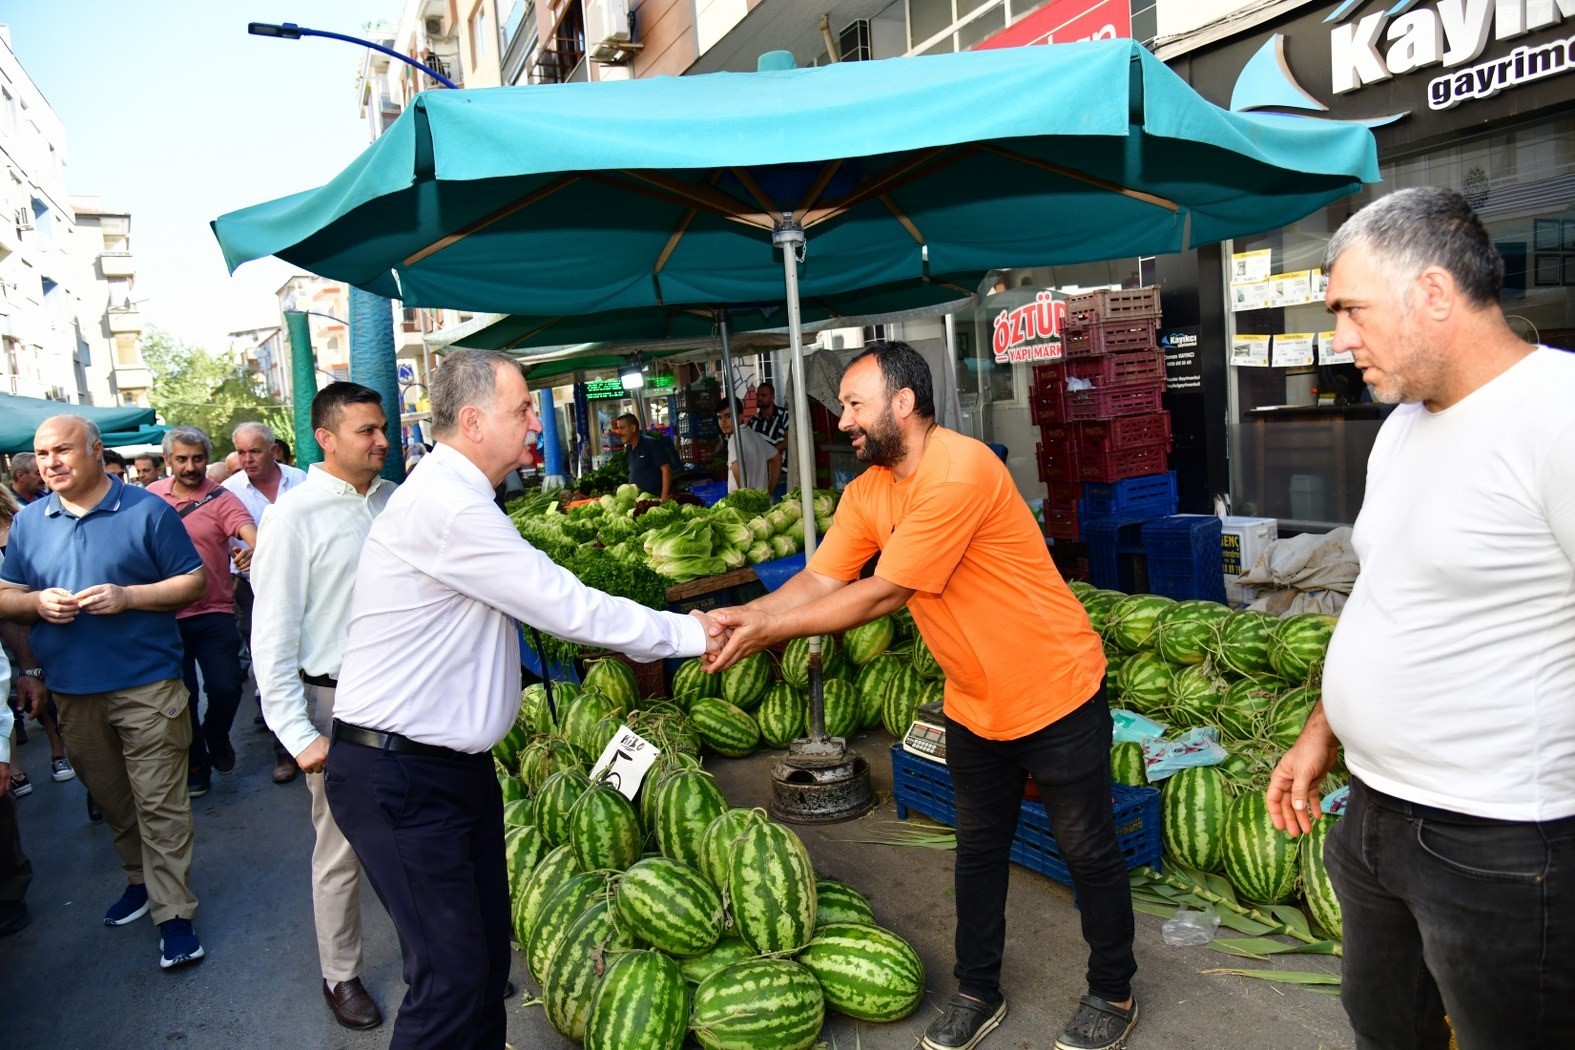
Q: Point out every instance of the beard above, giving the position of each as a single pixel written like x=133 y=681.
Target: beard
x=883 y=445
x=1415 y=375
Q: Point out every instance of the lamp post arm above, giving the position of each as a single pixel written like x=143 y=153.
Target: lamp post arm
x=291 y=31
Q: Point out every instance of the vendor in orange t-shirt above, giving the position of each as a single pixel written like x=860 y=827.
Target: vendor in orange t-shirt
x=1024 y=676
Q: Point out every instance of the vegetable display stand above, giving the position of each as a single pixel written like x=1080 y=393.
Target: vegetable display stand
x=715 y=592
x=926 y=787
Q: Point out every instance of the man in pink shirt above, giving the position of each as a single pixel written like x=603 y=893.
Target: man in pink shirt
x=213 y=517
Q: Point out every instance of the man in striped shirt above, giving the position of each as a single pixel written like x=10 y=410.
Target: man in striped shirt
x=772 y=421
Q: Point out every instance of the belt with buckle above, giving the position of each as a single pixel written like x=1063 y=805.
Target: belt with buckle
x=322 y=681
x=345 y=733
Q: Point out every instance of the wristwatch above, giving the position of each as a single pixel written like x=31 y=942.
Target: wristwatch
x=34 y=672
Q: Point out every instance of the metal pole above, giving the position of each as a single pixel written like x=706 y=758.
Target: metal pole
x=303 y=386
x=374 y=363
x=727 y=361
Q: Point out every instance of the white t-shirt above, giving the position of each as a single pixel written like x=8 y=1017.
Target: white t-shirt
x=1451 y=675
x=752 y=451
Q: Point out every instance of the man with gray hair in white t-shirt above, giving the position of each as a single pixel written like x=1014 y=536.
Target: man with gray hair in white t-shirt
x=1450 y=679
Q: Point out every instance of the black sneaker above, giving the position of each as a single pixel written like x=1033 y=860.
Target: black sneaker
x=13 y=917
x=20 y=785
x=133 y=905
x=964 y=1025
x=197 y=783
x=1097 y=1025
x=178 y=944
x=95 y=814
x=221 y=756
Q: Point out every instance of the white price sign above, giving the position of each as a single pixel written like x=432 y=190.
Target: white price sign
x=624 y=762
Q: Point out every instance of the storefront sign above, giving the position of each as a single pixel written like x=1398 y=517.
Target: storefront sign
x=612 y=389
x=1067 y=20
x=1031 y=332
x=1183 y=366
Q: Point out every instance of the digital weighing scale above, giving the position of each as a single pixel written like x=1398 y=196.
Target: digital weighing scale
x=926 y=737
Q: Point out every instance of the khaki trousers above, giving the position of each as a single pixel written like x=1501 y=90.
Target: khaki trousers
x=336 y=871
x=129 y=748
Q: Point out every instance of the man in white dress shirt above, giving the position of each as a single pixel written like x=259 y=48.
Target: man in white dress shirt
x=304 y=570
x=261 y=480
x=430 y=681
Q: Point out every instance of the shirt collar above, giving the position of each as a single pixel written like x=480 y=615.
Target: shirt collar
x=460 y=464
x=111 y=501
x=318 y=476
x=165 y=487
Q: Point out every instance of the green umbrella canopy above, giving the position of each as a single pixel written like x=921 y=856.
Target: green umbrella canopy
x=118 y=425
x=570 y=199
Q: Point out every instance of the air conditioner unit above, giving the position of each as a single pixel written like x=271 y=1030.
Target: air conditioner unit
x=24 y=219
x=434 y=27
x=607 y=29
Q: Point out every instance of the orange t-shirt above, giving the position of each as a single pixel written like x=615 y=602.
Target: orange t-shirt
x=1015 y=643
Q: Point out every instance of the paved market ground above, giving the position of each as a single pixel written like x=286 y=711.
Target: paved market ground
x=68 y=981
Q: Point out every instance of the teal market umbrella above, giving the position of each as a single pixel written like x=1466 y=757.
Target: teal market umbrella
x=118 y=425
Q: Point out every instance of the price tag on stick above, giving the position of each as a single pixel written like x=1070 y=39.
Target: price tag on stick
x=625 y=761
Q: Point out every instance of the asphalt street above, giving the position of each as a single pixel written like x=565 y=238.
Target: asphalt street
x=68 y=981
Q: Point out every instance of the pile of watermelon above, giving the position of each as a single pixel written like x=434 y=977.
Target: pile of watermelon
x=1254 y=678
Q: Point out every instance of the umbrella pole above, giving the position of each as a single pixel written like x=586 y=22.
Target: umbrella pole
x=727 y=362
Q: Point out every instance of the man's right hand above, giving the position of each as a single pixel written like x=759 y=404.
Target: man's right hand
x=314 y=757
x=1294 y=785
x=33 y=694
x=56 y=605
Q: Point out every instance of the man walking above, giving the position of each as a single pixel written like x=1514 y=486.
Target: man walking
x=26 y=483
x=651 y=457
x=16 y=871
x=213 y=518
x=259 y=484
x=304 y=569
x=147 y=468
x=101 y=569
x=1450 y=678
x=752 y=461
x=957 y=544
x=409 y=775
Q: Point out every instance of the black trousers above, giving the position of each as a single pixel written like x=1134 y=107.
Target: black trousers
x=1070 y=762
x=429 y=833
x=16 y=871
x=212 y=643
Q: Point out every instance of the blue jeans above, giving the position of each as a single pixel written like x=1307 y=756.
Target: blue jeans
x=1070 y=761
x=212 y=643
x=1447 y=913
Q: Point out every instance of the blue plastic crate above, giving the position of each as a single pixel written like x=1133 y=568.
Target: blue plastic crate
x=1185 y=558
x=1154 y=494
x=925 y=786
x=709 y=492
x=1111 y=539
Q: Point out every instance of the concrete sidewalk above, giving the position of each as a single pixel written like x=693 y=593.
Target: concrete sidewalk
x=69 y=981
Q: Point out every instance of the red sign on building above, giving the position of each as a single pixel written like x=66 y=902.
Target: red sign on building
x=1065 y=21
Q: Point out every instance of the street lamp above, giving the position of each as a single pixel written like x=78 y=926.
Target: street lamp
x=291 y=31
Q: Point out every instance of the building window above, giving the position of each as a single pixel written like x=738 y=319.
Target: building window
x=478 y=34
x=853 y=43
x=128 y=354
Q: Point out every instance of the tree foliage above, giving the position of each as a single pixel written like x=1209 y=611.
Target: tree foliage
x=192 y=387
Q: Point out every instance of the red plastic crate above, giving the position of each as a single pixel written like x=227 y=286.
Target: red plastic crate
x=1113 y=369
x=1111 y=402
x=1117 y=464
x=1063 y=495
x=1046 y=407
x=1100 y=434
x=1112 y=338
x=1050 y=376
x=1057 y=463
x=1062 y=524
x=1125 y=304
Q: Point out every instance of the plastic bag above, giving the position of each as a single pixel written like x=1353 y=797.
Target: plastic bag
x=1131 y=726
x=1195 y=747
x=1188 y=928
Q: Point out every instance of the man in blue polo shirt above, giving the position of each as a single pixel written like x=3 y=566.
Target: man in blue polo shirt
x=98 y=568
x=651 y=458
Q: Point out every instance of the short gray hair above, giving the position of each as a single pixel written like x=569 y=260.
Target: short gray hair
x=90 y=431
x=466 y=377
x=1424 y=226
x=187 y=436
x=264 y=429
x=24 y=461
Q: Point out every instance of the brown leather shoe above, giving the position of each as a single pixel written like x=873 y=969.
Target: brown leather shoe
x=285 y=770
x=352 y=1004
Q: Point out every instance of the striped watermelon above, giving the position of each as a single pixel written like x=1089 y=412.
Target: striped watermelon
x=725 y=728
x=902 y=699
x=614 y=679
x=507 y=750
x=1289 y=715
x=1245 y=705
x=692 y=679
x=1131 y=622
x=1144 y=682
x=1127 y=765
x=537 y=714
x=595 y=939
x=758 y=1004
x=864 y=971
x=1186 y=631
x=1193 y=804
x=1098 y=606
x=795 y=659
x=1322 y=904
x=543 y=757
x=581 y=719
x=838 y=902
x=554 y=870
x=934 y=691
x=671 y=905
x=729 y=950
x=1080 y=589
x=557 y=913
x=1239 y=773
x=873 y=682
x=642 y=1004
x=781 y=715
x=520 y=812
x=1299 y=645
x=902 y=619
x=1244 y=641
x=719 y=841
x=867 y=641
x=511 y=788
x=745 y=683
x=923 y=660
x=687 y=803
x=604 y=830
x=1260 y=859
x=1194 y=693
x=558 y=794
x=523 y=849
x=771 y=889
x=840 y=701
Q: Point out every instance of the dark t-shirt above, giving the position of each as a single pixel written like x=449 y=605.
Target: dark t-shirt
x=645 y=462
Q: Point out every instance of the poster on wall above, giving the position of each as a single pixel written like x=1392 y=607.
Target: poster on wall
x=1251 y=267
x=1254 y=296
x=1328 y=355
x=1294 y=349
x=1183 y=366
x=1250 y=351
x=1291 y=289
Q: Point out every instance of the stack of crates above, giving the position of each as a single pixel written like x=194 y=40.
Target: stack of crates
x=697 y=430
x=1185 y=560
x=1114 y=427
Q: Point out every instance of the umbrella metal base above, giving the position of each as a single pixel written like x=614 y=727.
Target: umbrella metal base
x=820 y=782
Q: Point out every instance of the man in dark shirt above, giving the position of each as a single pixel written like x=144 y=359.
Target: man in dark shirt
x=770 y=420
x=652 y=459
x=26 y=482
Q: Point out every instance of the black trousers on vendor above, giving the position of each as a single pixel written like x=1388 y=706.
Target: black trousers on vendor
x=1070 y=763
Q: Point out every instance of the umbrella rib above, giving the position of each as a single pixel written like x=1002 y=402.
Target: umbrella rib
x=900 y=216
x=1080 y=176
x=749 y=183
x=821 y=181
x=482 y=223
x=672 y=242
x=921 y=164
x=673 y=191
